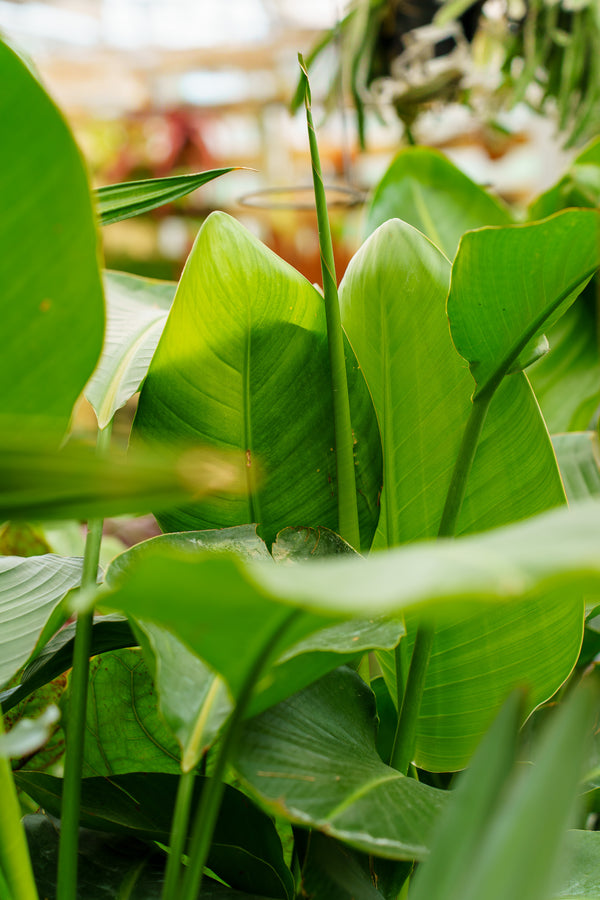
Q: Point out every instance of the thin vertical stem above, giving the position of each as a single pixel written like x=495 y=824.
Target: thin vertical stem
x=66 y=887
x=344 y=440
x=15 y=862
x=210 y=802
x=179 y=829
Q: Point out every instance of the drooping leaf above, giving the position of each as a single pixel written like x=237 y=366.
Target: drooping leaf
x=510 y=284
x=131 y=198
x=30 y=588
x=192 y=698
x=578 y=455
x=243 y=364
x=52 y=306
x=124 y=731
x=136 y=310
x=246 y=849
x=422 y=187
x=39 y=482
x=108 y=633
x=312 y=760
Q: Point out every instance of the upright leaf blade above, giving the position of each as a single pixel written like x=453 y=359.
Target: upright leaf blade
x=243 y=358
x=426 y=190
x=52 y=306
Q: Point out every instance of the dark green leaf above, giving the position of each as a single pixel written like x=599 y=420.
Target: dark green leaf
x=312 y=760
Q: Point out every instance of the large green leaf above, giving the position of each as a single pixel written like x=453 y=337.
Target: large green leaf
x=52 y=306
x=124 y=731
x=393 y=293
x=192 y=697
x=510 y=284
x=425 y=189
x=30 y=589
x=312 y=759
x=243 y=364
x=246 y=849
x=131 y=198
x=580 y=873
x=136 y=310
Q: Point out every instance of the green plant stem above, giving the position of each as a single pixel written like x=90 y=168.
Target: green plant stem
x=15 y=862
x=408 y=716
x=179 y=829
x=344 y=439
x=66 y=885
x=210 y=802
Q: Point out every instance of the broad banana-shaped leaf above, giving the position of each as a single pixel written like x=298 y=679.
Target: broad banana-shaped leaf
x=136 y=310
x=422 y=187
x=193 y=698
x=327 y=734
x=131 y=198
x=30 y=589
x=510 y=284
x=243 y=364
x=226 y=608
x=52 y=305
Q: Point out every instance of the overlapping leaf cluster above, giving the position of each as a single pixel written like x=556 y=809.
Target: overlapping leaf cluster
x=234 y=720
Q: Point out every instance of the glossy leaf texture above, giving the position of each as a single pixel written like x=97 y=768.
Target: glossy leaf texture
x=193 y=699
x=109 y=867
x=40 y=482
x=517 y=815
x=312 y=760
x=509 y=285
x=52 y=304
x=136 y=311
x=30 y=589
x=422 y=187
x=246 y=850
x=243 y=364
x=116 y=202
x=578 y=455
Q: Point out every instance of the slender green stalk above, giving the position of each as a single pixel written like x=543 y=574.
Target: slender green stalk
x=210 y=802
x=410 y=706
x=344 y=440
x=179 y=829
x=66 y=886
x=15 y=863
